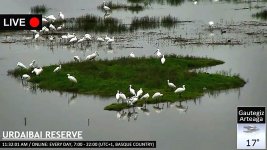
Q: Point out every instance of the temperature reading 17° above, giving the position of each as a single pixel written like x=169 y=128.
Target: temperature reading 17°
x=252 y=142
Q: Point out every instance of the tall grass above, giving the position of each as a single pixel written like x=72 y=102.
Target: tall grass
x=39 y=9
x=261 y=15
x=117 y=6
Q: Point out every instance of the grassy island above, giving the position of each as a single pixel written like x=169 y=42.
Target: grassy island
x=105 y=77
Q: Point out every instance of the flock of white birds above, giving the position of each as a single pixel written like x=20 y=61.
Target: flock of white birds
x=72 y=38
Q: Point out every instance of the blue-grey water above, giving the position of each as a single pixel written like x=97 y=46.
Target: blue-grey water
x=208 y=123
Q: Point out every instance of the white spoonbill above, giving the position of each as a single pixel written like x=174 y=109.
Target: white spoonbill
x=157 y=95
x=158 y=53
x=146 y=96
x=59 y=28
x=132 y=91
x=139 y=93
x=107 y=38
x=61 y=16
x=81 y=40
x=72 y=78
x=162 y=59
x=77 y=58
x=25 y=77
x=44 y=20
x=37 y=71
x=21 y=65
x=171 y=85
x=52 y=27
x=51 y=18
x=118 y=95
x=92 y=56
x=180 y=90
x=111 y=40
x=132 y=55
x=88 y=37
x=31 y=65
x=57 y=68
x=122 y=96
x=99 y=39
x=73 y=40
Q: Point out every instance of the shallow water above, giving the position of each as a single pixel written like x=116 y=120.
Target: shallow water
x=208 y=123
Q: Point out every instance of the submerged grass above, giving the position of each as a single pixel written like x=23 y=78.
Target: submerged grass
x=117 y=6
x=261 y=15
x=39 y=9
x=105 y=77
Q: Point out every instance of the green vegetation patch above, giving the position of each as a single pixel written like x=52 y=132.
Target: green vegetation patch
x=105 y=77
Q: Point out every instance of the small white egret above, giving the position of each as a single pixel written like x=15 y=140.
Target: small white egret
x=81 y=40
x=72 y=78
x=37 y=71
x=211 y=24
x=73 y=40
x=31 y=65
x=158 y=53
x=77 y=58
x=59 y=28
x=122 y=96
x=21 y=65
x=92 y=56
x=57 y=68
x=106 y=8
x=36 y=36
x=88 y=37
x=162 y=59
x=146 y=96
x=61 y=16
x=139 y=93
x=132 y=91
x=51 y=18
x=25 y=77
x=180 y=90
x=44 y=20
x=194 y=2
x=51 y=38
x=132 y=55
x=171 y=85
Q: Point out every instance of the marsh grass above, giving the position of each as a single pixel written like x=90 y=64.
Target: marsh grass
x=39 y=9
x=261 y=15
x=162 y=2
x=105 y=77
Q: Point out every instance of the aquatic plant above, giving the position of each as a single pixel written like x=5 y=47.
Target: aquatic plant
x=118 y=6
x=261 y=15
x=39 y=9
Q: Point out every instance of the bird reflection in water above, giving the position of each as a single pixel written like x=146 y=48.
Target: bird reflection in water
x=71 y=100
x=181 y=108
x=157 y=108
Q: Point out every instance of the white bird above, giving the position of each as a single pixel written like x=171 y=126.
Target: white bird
x=195 y=2
x=110 y=40
x=51 y=18
x=132 y=55
x=37 y=71
x=77 y=58
x=69 y=36
x=99 y=39
x=132 y=100
x=72 y=78
x=59 y=28
x=132 y=91
x=122 y=96
x=92 y=56
x=61 y=16
x=81 y=40
x=106 y=8
x=51 y=38
x=118 y=95
x=21 y=65
x=146 y=96
x=34 y=31
x=44 y=20
x=88 y=37
x=162 y=59
x=180 y=90
x=73 y=40
x=25 y=77
x=107 y=38
x=157 y=95
x=211 y=24
x=139 y=93
x=36 y=36
x=57 y=68
x=171 y=85
x=52 y=27
x=158 y=53
x=31 y=65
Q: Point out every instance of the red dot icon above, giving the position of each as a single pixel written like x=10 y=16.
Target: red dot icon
x=34 y=22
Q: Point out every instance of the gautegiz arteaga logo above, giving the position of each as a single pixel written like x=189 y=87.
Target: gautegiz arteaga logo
x=20 y=22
